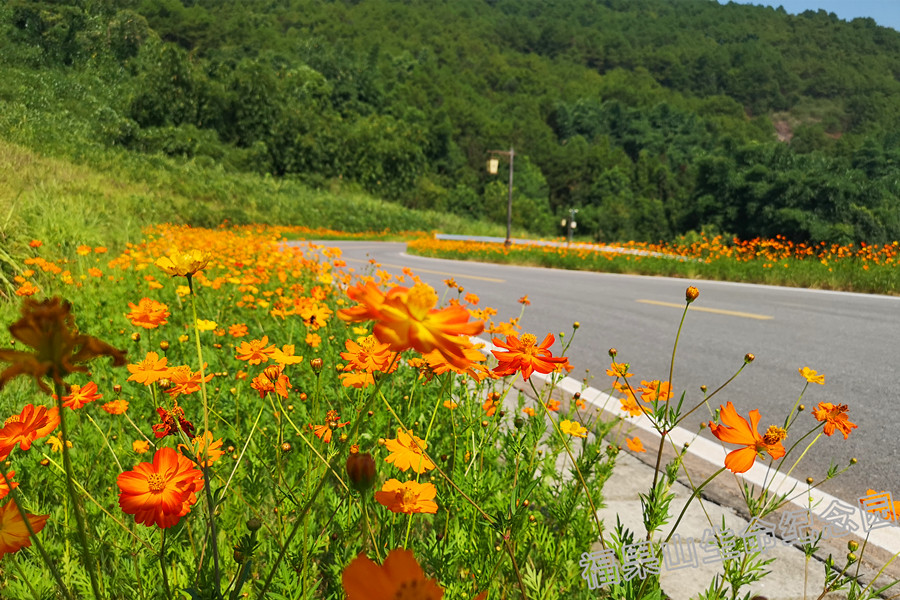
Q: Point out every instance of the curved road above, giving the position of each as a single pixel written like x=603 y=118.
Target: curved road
x=852 y=338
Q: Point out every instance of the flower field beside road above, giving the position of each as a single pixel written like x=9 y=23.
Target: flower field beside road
x=212 y=414
x=863 y=268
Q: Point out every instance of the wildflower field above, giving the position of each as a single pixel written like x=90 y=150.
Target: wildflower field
x=214 y=414
x=855 y=268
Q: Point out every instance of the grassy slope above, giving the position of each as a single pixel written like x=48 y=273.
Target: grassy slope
x=65 y=204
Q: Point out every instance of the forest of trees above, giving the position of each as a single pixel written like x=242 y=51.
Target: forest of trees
x=652 y=117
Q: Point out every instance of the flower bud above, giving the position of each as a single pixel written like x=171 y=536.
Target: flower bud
x=164 y=345
x=117 y=388
x=801 y=408
x=853 y=461
x=852 y=546
x=749 y=358
x=135 y=337
x=360 y=470
x=613 y=352
x=576 y=325
x=703 y=388
x=691 y=294
x=286 y=447
x=851 y=557
x=809 y=481
x=317 y=364
x=254 y=524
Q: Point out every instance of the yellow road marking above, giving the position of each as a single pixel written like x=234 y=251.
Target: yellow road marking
x=418 y=270
x=717 y=311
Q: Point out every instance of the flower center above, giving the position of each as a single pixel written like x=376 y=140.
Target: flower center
x=408 y=498
x=156 y=483
x=12 y=419
x=420 y=300
x=774 y=435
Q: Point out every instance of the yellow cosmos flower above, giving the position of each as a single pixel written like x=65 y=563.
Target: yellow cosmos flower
x=573 y=428
x=184 y=264
x=812 y=376
x=205 y=325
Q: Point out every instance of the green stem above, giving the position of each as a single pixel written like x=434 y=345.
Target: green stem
x=210 y=505
x=298 y=521
x=665 y=431
x=86 y=557
x=565 y=442
x=162 y=562
x=14 y=493
x=694 y=495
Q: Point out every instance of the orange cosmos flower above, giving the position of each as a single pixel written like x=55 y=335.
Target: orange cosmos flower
x=313 y=340
x=255 y=351
x=184 y=264
x=13 y=531
x=524 y=300
x=272 y=379
x=237 y=330
x=27 y=289
x=172 y=421
x=356 y=379
x=553 y=405
x=618 y=370
x=186 y=381
x=438 y=364
x=407 y=497
x=407 y=453
x=835 y=417
x=161 y=492
x=140 y=446
x=369 y=355
x=654 y=390
x=148 y=313
x=150 y=370
x=630 y=405
x=81 y=395
x=407 y=318
x=812 y=376
x=528 y=411
x=49 y=328
x=116 y=407
x=35 y=243
x=735 y=430
x=205 y=443
x=634 y=444
x=7 y=485
x=523 y=355
x=400 y=574
x=34 y=422
x=332 y=422
x=573 y=428
x=490 y=405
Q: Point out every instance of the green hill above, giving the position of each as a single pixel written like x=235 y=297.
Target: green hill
x=652 y=117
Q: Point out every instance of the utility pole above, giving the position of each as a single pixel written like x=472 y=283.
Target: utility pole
x=492 y=169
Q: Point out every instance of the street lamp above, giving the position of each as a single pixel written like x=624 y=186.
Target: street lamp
x=572 y=223
x=493 y=165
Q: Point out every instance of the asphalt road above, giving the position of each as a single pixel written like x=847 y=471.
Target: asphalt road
x=852 y=338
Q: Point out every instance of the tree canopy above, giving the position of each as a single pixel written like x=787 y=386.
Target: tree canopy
x=652 y=117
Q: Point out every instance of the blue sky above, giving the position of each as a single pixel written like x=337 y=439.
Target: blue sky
x=885 y=12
